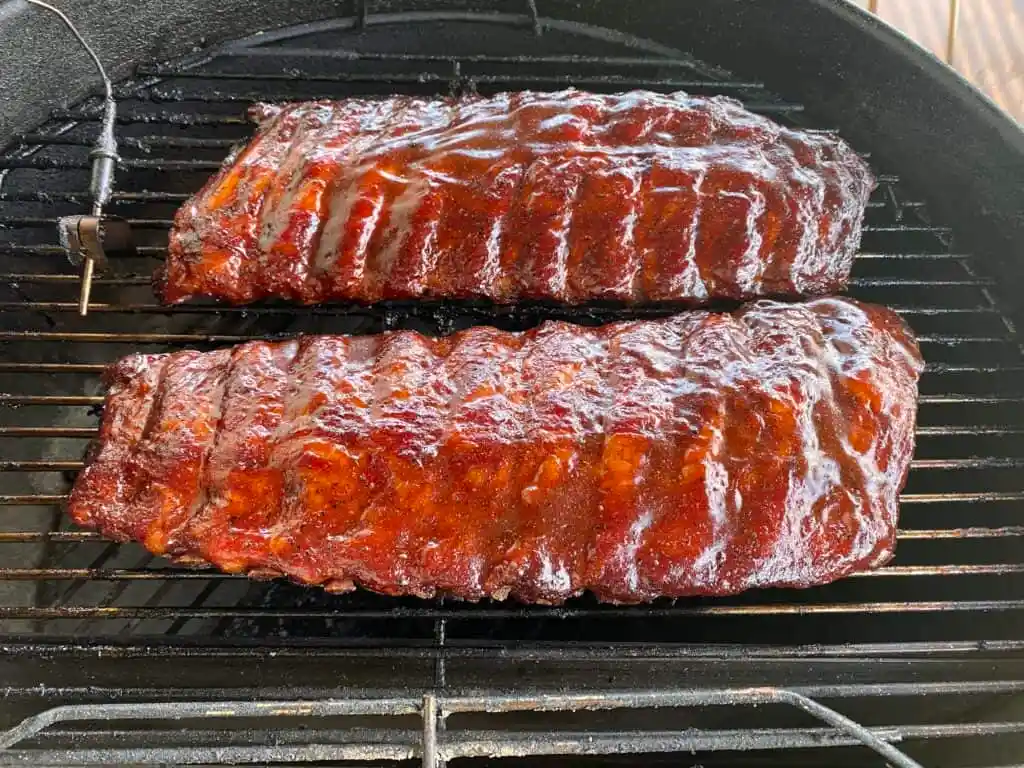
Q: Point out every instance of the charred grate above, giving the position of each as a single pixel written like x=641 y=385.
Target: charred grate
x=951 y=601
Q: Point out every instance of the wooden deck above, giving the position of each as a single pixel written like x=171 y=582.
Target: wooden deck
x=986 y=40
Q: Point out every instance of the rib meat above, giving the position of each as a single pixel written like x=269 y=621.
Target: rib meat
x=566 y=196
x=700 y=454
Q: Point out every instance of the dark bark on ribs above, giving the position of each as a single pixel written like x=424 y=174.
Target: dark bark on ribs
x=701 y=454
x=570 y=197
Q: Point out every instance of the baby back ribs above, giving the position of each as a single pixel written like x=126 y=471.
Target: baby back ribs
x=567 y=196
x=700 y=454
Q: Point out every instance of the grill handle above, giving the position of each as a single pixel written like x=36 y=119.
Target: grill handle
x=430 y=745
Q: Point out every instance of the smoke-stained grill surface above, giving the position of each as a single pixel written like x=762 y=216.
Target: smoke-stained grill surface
x=566 y=196
x=701 y=454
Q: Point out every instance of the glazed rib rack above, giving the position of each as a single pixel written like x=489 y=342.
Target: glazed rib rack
x=958 y=577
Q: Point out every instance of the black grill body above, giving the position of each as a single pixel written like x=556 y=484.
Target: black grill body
x=928 y=651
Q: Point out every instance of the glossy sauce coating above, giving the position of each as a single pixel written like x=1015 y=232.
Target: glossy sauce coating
x=700 y=454
x=566 y=196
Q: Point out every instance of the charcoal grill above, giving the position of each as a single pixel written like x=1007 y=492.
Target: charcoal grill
x=155 y=664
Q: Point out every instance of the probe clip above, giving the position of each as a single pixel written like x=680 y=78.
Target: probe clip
x=88 y=239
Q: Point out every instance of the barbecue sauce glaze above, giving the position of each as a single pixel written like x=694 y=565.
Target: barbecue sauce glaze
x=567 y=196
x=702 y=454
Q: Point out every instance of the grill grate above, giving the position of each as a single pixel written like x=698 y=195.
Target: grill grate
x=954 y=594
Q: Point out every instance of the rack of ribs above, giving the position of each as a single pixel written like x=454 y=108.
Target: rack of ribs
x=568 y=197
x=701 y=454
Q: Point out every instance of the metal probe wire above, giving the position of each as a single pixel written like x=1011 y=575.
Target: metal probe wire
x=104 y=154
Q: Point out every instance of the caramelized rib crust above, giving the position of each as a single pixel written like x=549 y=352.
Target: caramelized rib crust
x=700 y=454
x=568 y=196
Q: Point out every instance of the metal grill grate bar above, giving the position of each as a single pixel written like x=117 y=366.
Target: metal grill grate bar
x=906 y=498
x=43 y=499
x=490 y=614
x=162 y=574
x=829 y=690
x=59 y=250
x=43 y=249
x=148 y=144
x=912 y=256
x=142 y=143
x=943 y=464
x=89 y=432
x=127 y=117
x=933 y=369
x=63 y=195
x=199 y=338
x=964 y=399
x=97 y=400
x=25 y=537
x=17 y=400
x=48 y=431
x=31 y=277
x=41 y=222
x=343 y=310
x=49 y=163
x=6 y=367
